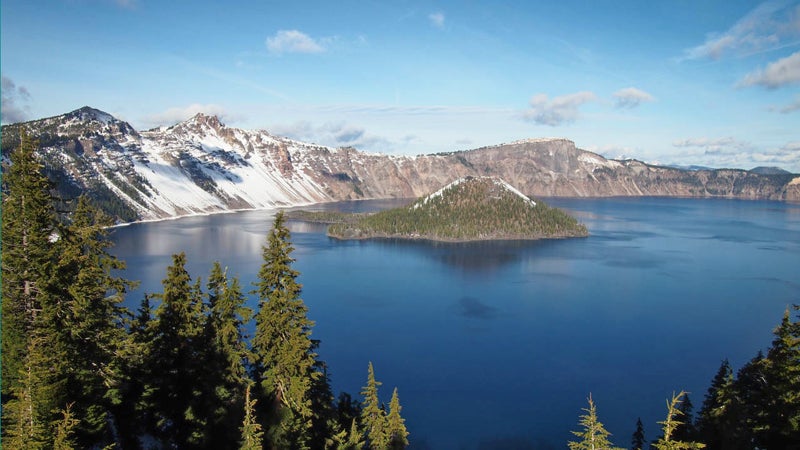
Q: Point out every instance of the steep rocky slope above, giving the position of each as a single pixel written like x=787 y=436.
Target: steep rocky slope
x=203 y=166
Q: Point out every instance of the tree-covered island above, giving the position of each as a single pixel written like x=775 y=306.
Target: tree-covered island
x=468 y=209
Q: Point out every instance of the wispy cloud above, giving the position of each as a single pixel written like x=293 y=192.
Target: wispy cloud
x=171 y=116
x=14 y=99
x=768 y=26
x=127 y=4
x=631 y=97
x=333 y=134
x=559 y=110
x=734 y=153
x=782 y=72
x=293 y=41
x=725 y=145
x=437 y=19
x=786 y=109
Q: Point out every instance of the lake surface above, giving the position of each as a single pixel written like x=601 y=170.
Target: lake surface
x=496 y=345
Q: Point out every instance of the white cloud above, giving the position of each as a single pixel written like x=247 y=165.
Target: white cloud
x=13 y=98
x=436 y=19
x=768 y=26
x=631 y=97
x=332 y=134
x=293 y=41
x=786 y=109
x=782 y=72
x=725 y=145
x=728 y=152
x=175 y=115
x=559 y=110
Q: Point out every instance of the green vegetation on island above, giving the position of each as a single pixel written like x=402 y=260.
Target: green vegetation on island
x=469 y=209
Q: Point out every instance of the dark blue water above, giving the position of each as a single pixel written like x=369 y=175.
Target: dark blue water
x=494 y=344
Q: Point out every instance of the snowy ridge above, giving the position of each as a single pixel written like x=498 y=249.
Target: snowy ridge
x=201 y=166
x=497 y=182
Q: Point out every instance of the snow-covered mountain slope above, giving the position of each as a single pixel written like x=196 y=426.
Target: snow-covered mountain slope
x=498 y=184
x=202 y=166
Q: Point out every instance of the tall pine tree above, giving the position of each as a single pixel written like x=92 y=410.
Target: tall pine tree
x=93 y=332
x=593 y=436
x=176 y=356
x=668 y=441
x=781 y=425
x=637 y=439
x=396 y=431
x=225 y=373
x=373 y=418
x=283 y=350
x=251 y=433
x=28 y=222
x=711 y=424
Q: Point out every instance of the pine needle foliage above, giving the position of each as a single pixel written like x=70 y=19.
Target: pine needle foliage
x=252 y=434
x=283 y=351
x=373 y=419
x=396 y=431
x=668 y=441
x=593 y=435
x=28 y=222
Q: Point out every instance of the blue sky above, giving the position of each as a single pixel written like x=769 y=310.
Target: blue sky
x=713 y=83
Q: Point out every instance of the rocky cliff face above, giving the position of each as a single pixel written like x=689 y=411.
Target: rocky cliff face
x=203 y=166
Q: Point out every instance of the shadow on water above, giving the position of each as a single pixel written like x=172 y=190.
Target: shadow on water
x=479 y=256
x=472 y=308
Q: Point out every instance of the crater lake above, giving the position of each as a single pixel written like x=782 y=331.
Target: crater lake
x=497 y=345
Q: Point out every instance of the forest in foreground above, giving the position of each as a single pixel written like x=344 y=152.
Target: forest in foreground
x=81 y=371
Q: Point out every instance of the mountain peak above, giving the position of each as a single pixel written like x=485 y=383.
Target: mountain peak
x=89 y=114
x=209 y=120
x=490 y=187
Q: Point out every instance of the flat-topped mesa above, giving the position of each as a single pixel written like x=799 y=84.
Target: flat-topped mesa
x=468 y=209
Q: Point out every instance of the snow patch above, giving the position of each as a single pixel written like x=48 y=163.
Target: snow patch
x=497 y=181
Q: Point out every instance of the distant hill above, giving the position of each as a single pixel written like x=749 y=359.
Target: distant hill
x=470 y=208
x=762 y=170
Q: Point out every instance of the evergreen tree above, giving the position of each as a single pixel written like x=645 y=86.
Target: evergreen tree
x=782 y=388
x=176 y=355
x=746 y=415
x=225 y=373
x=346 y=439
x=710 y=419
x=397 y=434
x=28 y=222
x=670 y=424
x=91 y=318
x=373 y=419
x=251 y=433
x=283 y=351
x=64 y=432
x=136 y=389
x=594 y=435
x=638 y=440
x=347 y=411
x=686 y=431
x=29 y=422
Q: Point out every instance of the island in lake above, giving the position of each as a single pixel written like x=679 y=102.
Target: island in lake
x=468 y=209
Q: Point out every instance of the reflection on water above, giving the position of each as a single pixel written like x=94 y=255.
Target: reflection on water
x=496 y=345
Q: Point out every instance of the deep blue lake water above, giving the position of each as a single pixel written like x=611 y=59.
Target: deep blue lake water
x=497 y=344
